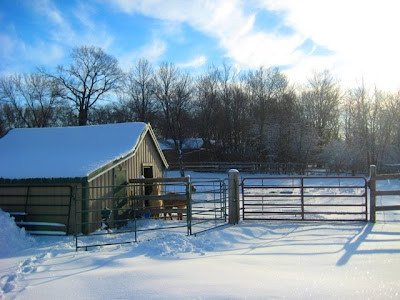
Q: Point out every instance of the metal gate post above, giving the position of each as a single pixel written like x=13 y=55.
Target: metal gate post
x=233 y=188
x=189 y=205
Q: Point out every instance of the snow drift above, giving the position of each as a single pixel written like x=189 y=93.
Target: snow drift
x=12 y=238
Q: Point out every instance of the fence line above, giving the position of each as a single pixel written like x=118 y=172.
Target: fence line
x=259 y=167
x=374 y=193
x=114 y=212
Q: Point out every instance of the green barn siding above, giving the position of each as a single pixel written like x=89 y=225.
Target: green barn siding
x=42 y=202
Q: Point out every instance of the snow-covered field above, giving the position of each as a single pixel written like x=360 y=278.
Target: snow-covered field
x=251 y=260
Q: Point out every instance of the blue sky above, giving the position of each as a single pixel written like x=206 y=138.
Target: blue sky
x=355 y=39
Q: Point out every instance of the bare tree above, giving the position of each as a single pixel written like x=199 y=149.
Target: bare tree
x=321 y=102
x=139 y=91
x=356 y=115
x=226 y=78
x=304 y=140
x=33 y=100
x=207 y=104
x=4 y=119
x=394 y=111
x=266 y=87
x=173 y=91
x=370 y=126
x=90 y=77
x=289 y=119
x=240 y=122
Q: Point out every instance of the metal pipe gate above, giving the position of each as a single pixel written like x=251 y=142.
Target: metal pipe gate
x=134 y=209
x=209 y=204
x=305 y=198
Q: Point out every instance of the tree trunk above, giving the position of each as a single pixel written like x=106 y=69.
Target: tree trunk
x=83 y=116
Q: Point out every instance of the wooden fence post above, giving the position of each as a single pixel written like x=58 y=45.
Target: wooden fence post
x=372 y=193
x=233 y=193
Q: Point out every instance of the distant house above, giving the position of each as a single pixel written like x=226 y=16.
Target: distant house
x=47 y=174
x=193 y=150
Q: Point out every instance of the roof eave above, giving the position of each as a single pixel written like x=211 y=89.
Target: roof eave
x=56 y=180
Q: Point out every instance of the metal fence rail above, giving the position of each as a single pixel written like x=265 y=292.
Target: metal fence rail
x=209 y=204
x=134 y=209
x=305 y=198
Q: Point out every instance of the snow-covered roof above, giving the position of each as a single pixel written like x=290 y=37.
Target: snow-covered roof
x=65 y=152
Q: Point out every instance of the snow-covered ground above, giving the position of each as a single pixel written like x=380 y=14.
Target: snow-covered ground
x=251 y=260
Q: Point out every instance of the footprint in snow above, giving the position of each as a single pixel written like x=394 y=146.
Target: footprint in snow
x=27 y=270
x=9 y=282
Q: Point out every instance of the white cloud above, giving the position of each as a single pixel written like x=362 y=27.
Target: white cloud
x=83 y=13
x=92 y=32
x=8 y=50
x=222 y=19
x=53 y=54
x=152 y=52
x=194 y=63
x=18 y=56
x=261 y=49
x=361 y=33
x=48 y=9
x=7 y=45
x=65 y=32
x=226 y=21
x=58 y=26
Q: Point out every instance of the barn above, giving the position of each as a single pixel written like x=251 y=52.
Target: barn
x=47 y=175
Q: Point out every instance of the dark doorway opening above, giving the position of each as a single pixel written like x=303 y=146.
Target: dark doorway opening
x=148 y=173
